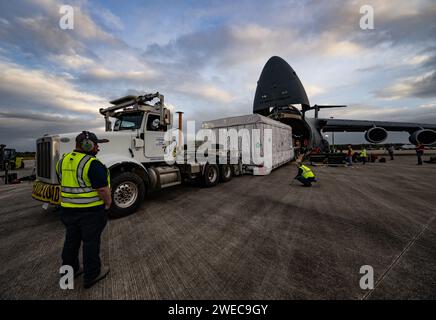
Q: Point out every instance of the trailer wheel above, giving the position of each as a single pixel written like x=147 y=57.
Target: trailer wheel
x=225 y=173
x=211 y=175
x=128 y=191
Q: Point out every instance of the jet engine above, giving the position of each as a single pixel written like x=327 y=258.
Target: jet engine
x=376 y=135
x=423 y=136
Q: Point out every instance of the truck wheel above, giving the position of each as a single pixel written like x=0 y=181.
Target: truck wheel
x=128 y=191
x=211 y=175
x=225 y=173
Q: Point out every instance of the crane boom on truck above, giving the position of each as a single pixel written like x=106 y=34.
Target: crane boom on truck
x=135 y=154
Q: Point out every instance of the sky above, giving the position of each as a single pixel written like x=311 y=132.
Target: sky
x=206 y=58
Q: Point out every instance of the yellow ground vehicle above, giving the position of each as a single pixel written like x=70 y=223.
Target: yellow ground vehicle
x=9 y=157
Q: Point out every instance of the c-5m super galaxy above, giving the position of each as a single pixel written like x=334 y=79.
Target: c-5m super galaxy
x=278 y=91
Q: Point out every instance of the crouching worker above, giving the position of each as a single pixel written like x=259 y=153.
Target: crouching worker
x=305 y=175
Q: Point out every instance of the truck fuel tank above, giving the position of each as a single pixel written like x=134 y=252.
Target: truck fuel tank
x=164 y=176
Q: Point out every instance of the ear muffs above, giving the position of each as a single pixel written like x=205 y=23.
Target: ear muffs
x=87 y=144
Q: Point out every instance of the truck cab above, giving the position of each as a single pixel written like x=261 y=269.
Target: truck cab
x=147 y=123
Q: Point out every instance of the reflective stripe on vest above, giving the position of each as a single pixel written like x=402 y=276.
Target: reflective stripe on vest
x=80 y=169
x=307 y=173
x=76 y=188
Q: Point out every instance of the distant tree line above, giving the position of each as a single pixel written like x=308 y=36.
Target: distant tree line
x=27 y=154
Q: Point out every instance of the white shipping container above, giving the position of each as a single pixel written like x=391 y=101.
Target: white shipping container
x=282 y=147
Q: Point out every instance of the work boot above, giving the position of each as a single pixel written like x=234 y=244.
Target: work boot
x=103 y=273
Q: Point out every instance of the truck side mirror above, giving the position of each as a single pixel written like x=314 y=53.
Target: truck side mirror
x=167 y=117
x=117 y=125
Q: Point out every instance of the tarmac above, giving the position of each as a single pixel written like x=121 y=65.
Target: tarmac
x=255 y=237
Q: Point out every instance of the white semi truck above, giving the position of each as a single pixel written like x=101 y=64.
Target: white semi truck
x=135 y=153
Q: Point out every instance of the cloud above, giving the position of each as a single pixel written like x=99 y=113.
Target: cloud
x=41 y=116
x=312 y=90
x=108 y=18
x=72 y=61
x=342 y=48
x=4 y=22
x=395 y=22
x=35 y=102
x=103 y=74
x=240 y=44
x=25 y=131
x=33 y=28
x=209 y=92
x=36 y=90
x=423 y=86
x=417 y=60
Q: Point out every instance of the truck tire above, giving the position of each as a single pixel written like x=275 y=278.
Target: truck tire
x=128 y=191
x=225 y=173
x=211 y=175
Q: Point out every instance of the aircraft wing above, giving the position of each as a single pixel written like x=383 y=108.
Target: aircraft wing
x=341 y=125
x=377 y=131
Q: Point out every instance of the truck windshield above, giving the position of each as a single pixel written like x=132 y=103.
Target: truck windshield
x=128 y=121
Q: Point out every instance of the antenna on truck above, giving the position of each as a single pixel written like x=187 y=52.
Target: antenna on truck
x=135 y=101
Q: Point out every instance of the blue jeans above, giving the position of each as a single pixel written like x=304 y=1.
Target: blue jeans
x=303 y=180
x=419 y=155
x=86 y=227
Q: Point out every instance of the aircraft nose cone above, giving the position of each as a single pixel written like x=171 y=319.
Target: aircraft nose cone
x=278 y=86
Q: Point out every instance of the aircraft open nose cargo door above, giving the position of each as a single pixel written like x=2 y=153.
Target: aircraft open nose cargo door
x=282 y=148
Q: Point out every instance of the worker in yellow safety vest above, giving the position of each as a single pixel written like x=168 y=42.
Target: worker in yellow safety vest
x=363 y=155
x=85 y=195
x=305 y=175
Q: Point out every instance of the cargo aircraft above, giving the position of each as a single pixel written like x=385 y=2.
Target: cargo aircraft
x=278 y=92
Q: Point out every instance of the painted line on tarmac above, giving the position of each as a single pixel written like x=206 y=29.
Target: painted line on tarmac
x=397 y=259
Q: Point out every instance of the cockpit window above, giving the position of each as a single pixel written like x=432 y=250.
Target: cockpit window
x=128 y=121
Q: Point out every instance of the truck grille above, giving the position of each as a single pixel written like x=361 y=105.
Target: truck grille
x=43 y=159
